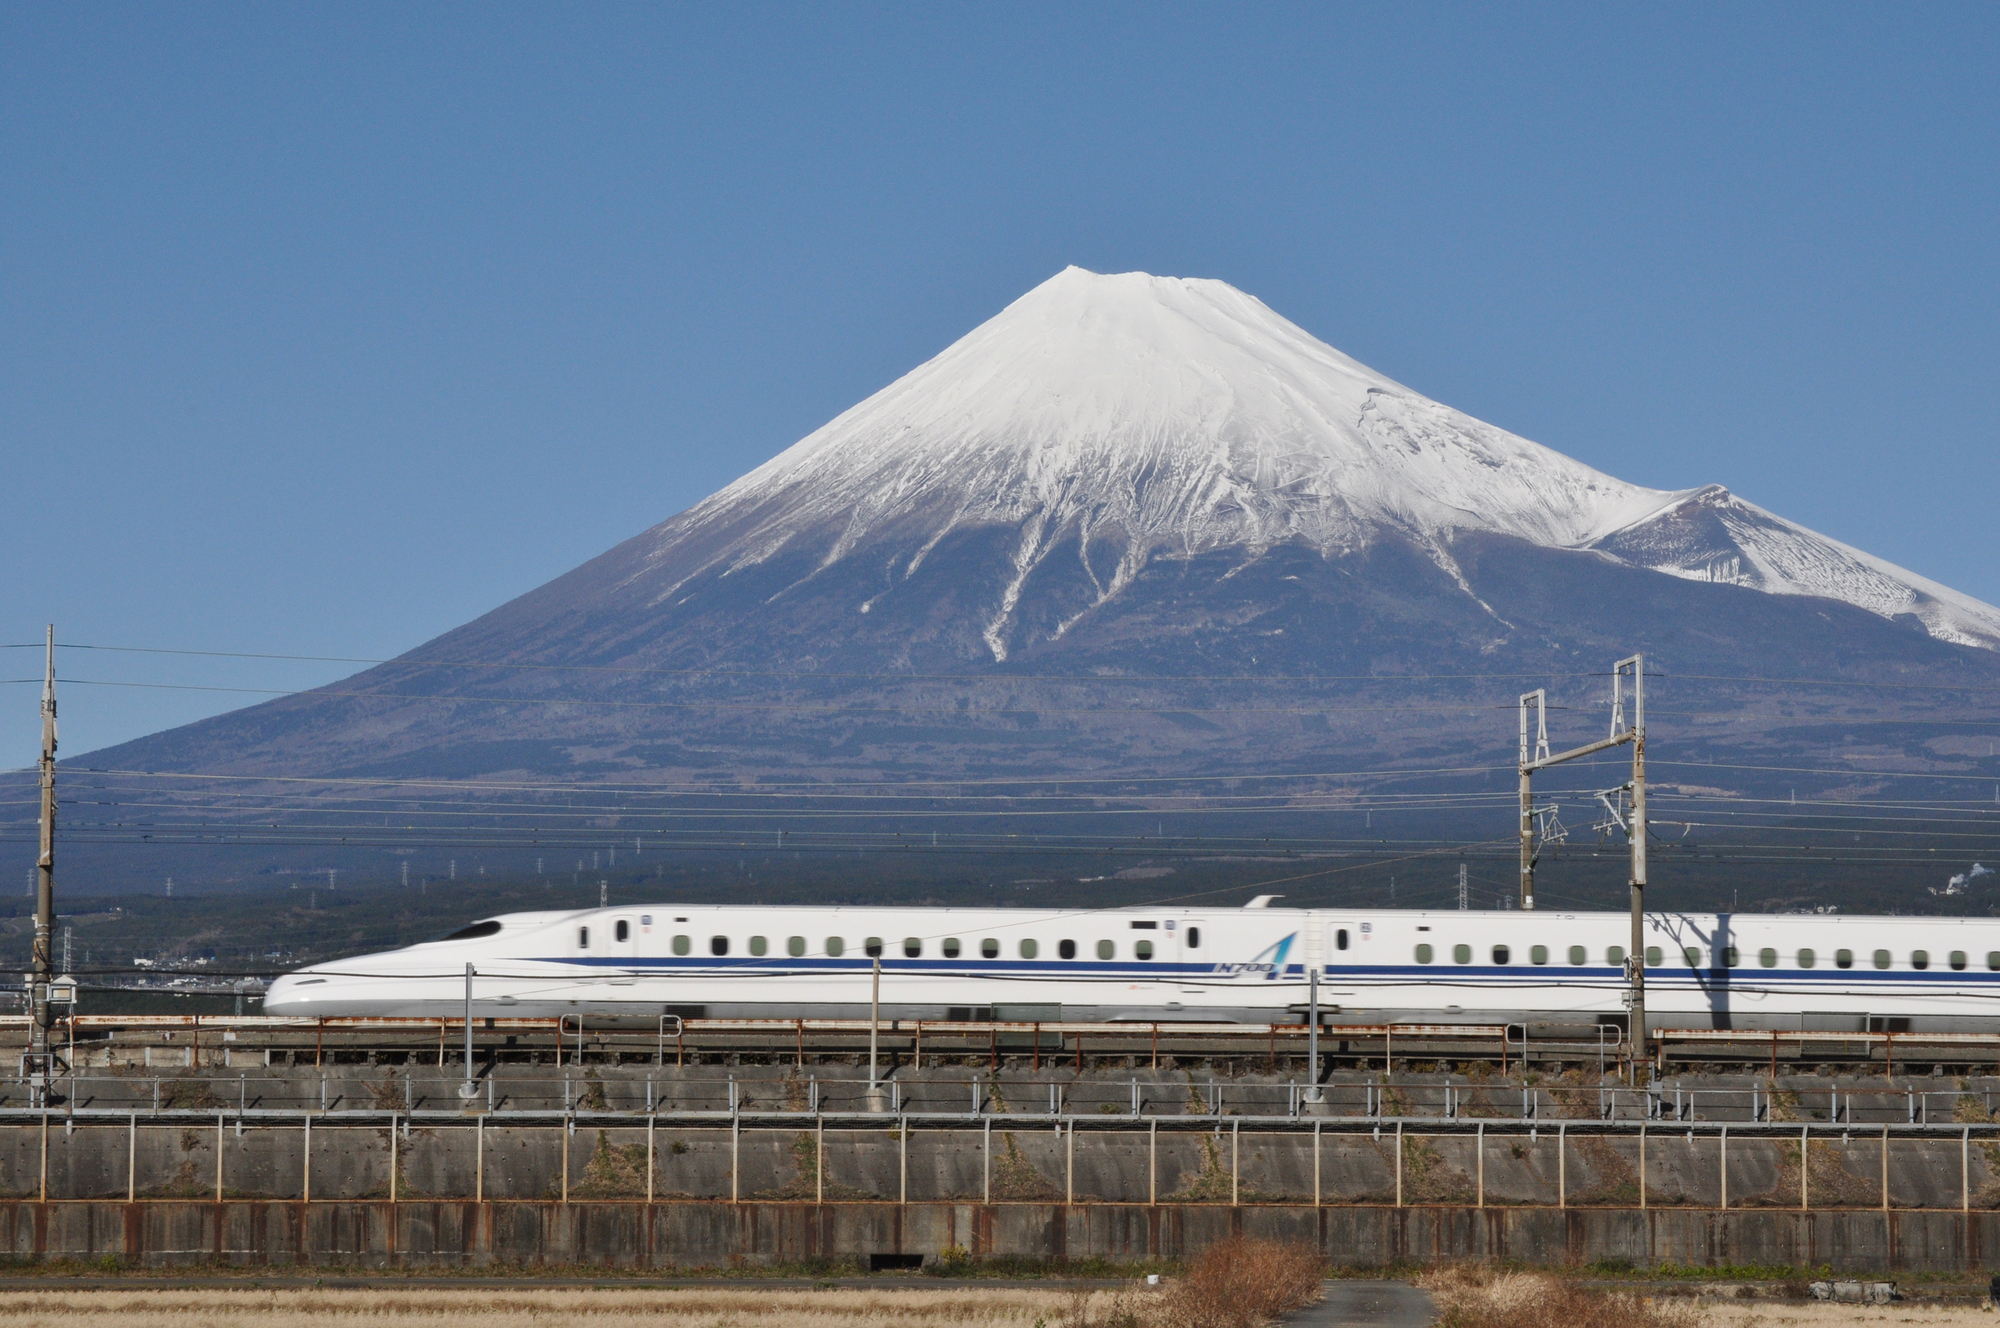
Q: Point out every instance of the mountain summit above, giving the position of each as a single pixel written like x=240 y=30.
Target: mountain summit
x=1143 y=481
x=1109 y=420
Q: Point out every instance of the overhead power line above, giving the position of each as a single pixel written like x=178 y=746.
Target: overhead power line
x=374 y=661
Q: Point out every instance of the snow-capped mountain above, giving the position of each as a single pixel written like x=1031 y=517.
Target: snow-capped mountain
x=1143 y=479
x=1117 y=419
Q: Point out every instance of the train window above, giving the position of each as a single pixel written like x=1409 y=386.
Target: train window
x=1423 y=954
x=1029 y=949
x=1538 y=954
x=1807 y=958
x=1843 y=959
x=835 y=947
x=1767 y=957
x=795 y=946
x=1692 y=953
x=989 y=948
x=1920 y=959
x=1461 y=954
x=682 y=945
x=1106 y=950
x=1731 y=957
x=913 y=947
x=623 y=931
x=1614 y=954
x=1142 y=949
x=1653 y=957
x=951 y=947
x=1340 y=939
x=1193 y=935
x=1881 y=959
x=1578 y=955
x=872 y=947
x=1067 y=949
x=1958 y=960
x=759 y=946
x=1501 y=954
x=718 y=945
x=1993 y=959
x=583 y=938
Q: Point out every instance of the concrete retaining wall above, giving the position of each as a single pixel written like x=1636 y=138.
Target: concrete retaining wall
x=707 y=1234
x=1031 y=1161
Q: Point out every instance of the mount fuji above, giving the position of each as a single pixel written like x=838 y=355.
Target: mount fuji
x=1136 y=524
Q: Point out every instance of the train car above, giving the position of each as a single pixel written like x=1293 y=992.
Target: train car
x=1249 y=965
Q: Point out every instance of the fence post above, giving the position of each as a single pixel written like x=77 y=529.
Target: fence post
x=819 y=1160
x=1399 y=1163
x=1642 y=1165
x=562 y=1131
x=218 y=1154
x=735 y=1140
x=132 y=1157
x=307 y=1163
x=1316 y=1198
x=1965 y=1170
x=1805 y=1167
x=44 y=1192
x=1885 y=1167
x=903 y=1161
x=1069 y=1165
x=1722 y=1151
x=479 y=1160
x=1562 y=1165
x=1479 y=1153
x=650 y=1120
x=392 y=1157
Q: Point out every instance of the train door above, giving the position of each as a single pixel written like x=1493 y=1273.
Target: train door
x=1343 y=943
x=624 y=938
x=1193 y=942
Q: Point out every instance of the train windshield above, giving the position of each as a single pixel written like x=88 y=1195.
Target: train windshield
x=471 y=933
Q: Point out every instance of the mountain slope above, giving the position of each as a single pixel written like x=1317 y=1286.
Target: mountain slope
x=1132 y=416
x=1117 y=477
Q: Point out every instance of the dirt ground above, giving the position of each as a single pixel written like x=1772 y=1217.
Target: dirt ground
x=589 y=1308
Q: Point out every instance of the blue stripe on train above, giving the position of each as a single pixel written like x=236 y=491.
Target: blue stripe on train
x=1431 y=974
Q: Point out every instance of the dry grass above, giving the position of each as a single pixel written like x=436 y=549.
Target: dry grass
x=1819 y=1314
x=1470 y=1297
x=482 y=1308
x=1239 y=1284
x=1236 y=1284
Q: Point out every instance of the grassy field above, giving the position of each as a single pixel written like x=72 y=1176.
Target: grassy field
x=698 y=1308
x=1234 y=1284
x=1469 y=1296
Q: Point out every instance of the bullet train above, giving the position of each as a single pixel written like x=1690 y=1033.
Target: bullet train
x=1249 y=965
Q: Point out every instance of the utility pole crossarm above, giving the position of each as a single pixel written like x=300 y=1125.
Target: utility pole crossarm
x=1589 y=749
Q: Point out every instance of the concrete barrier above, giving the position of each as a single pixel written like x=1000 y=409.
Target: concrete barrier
x=615 y=1234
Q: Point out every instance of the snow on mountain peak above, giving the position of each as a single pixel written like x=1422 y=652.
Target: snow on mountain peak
x=1173 y=416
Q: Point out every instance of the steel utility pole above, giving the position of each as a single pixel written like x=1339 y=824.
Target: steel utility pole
x=1539 y=758
x=468 y=1090
x=42 y=1015
x=874 y=1023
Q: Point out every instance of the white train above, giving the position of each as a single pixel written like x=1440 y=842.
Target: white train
x=1250 y=964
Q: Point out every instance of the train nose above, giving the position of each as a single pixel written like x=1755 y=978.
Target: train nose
x=295 y=994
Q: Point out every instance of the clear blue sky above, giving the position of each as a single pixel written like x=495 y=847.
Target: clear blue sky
x=327 y=328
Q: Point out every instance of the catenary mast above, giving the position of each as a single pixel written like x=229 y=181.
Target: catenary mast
x=42 y=1014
